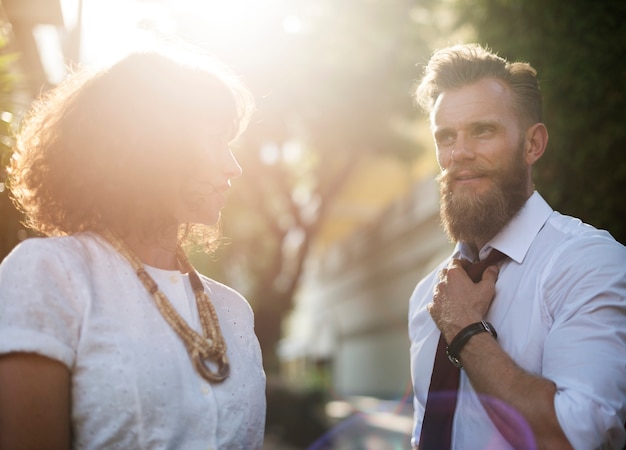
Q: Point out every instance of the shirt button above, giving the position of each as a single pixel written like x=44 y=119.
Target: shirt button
x=205 y=390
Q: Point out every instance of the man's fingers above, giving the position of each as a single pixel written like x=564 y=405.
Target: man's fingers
x=491 y=273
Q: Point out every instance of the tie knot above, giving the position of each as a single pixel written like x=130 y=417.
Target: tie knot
x=475 y=270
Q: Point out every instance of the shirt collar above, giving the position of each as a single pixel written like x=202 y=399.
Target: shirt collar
x=515 y=238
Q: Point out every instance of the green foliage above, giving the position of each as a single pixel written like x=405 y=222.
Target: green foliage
x=9 y=217
x=579 y=50
x=8 y=80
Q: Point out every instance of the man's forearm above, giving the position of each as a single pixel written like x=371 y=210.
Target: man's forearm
x=494 y=374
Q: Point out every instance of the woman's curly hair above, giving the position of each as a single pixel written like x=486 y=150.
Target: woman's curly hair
x=110 y=149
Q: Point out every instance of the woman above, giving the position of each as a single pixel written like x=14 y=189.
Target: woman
x=108 y=336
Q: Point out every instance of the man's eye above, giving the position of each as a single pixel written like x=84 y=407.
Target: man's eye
x=444 y=139
x=484 y=131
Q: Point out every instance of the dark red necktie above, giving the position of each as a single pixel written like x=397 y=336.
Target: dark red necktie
x=444 y=382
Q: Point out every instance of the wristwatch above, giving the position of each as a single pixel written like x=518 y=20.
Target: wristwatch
x=463 y=336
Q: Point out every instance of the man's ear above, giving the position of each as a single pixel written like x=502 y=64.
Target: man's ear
x=535 y=142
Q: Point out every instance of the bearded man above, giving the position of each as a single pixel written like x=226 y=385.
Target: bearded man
x=529 y=350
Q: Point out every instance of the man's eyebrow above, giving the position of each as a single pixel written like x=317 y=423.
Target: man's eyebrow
x=483 y=122
x=443 y=130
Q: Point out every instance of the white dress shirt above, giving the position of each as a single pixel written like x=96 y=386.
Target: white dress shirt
x=560 y=312
x=74 y=299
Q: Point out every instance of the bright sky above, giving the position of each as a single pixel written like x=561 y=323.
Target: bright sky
x=112 y=28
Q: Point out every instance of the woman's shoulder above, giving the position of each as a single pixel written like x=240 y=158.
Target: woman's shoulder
x=220 y=288
x=58 y=248
x=221 y=293
x=38 y=253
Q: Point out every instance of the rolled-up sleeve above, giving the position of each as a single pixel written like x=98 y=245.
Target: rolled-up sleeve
x=39 y=310
x=585 y=349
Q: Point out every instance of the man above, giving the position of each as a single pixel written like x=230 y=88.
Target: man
x=538 y=343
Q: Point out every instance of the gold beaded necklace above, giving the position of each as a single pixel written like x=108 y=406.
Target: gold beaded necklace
x=203 y=349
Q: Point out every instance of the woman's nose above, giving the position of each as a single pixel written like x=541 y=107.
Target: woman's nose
x=231 y=165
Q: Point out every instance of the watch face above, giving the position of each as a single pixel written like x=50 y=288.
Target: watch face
x=454 y=360
x=489 y=328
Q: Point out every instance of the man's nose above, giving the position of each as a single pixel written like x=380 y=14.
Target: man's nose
x=463 y=148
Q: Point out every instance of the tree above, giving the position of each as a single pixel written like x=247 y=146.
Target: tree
x=9 y=217
x=579 y=50
x=328 y=96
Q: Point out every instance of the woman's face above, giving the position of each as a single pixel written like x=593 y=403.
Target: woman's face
x=203 y=189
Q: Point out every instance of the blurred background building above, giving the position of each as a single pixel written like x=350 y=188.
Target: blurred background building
x=45 y=36
x=349 y=325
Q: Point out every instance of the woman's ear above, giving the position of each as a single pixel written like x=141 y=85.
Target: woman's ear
x=536 y=140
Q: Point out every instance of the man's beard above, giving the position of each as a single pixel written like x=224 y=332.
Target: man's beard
x=476 y=218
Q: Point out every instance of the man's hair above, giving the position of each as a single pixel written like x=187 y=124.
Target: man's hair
x=454 y=67
x=109 y=150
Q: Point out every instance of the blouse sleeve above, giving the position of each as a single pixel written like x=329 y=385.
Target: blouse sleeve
x=40 y=300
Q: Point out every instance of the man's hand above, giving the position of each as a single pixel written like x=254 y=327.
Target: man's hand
x=457 y=301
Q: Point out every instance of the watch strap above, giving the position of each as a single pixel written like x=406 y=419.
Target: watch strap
x=463 y=336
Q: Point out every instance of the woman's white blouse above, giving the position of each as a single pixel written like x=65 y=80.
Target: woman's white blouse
x=74 y=299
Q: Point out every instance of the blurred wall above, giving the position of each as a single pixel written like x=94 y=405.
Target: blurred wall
x=352 y=309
